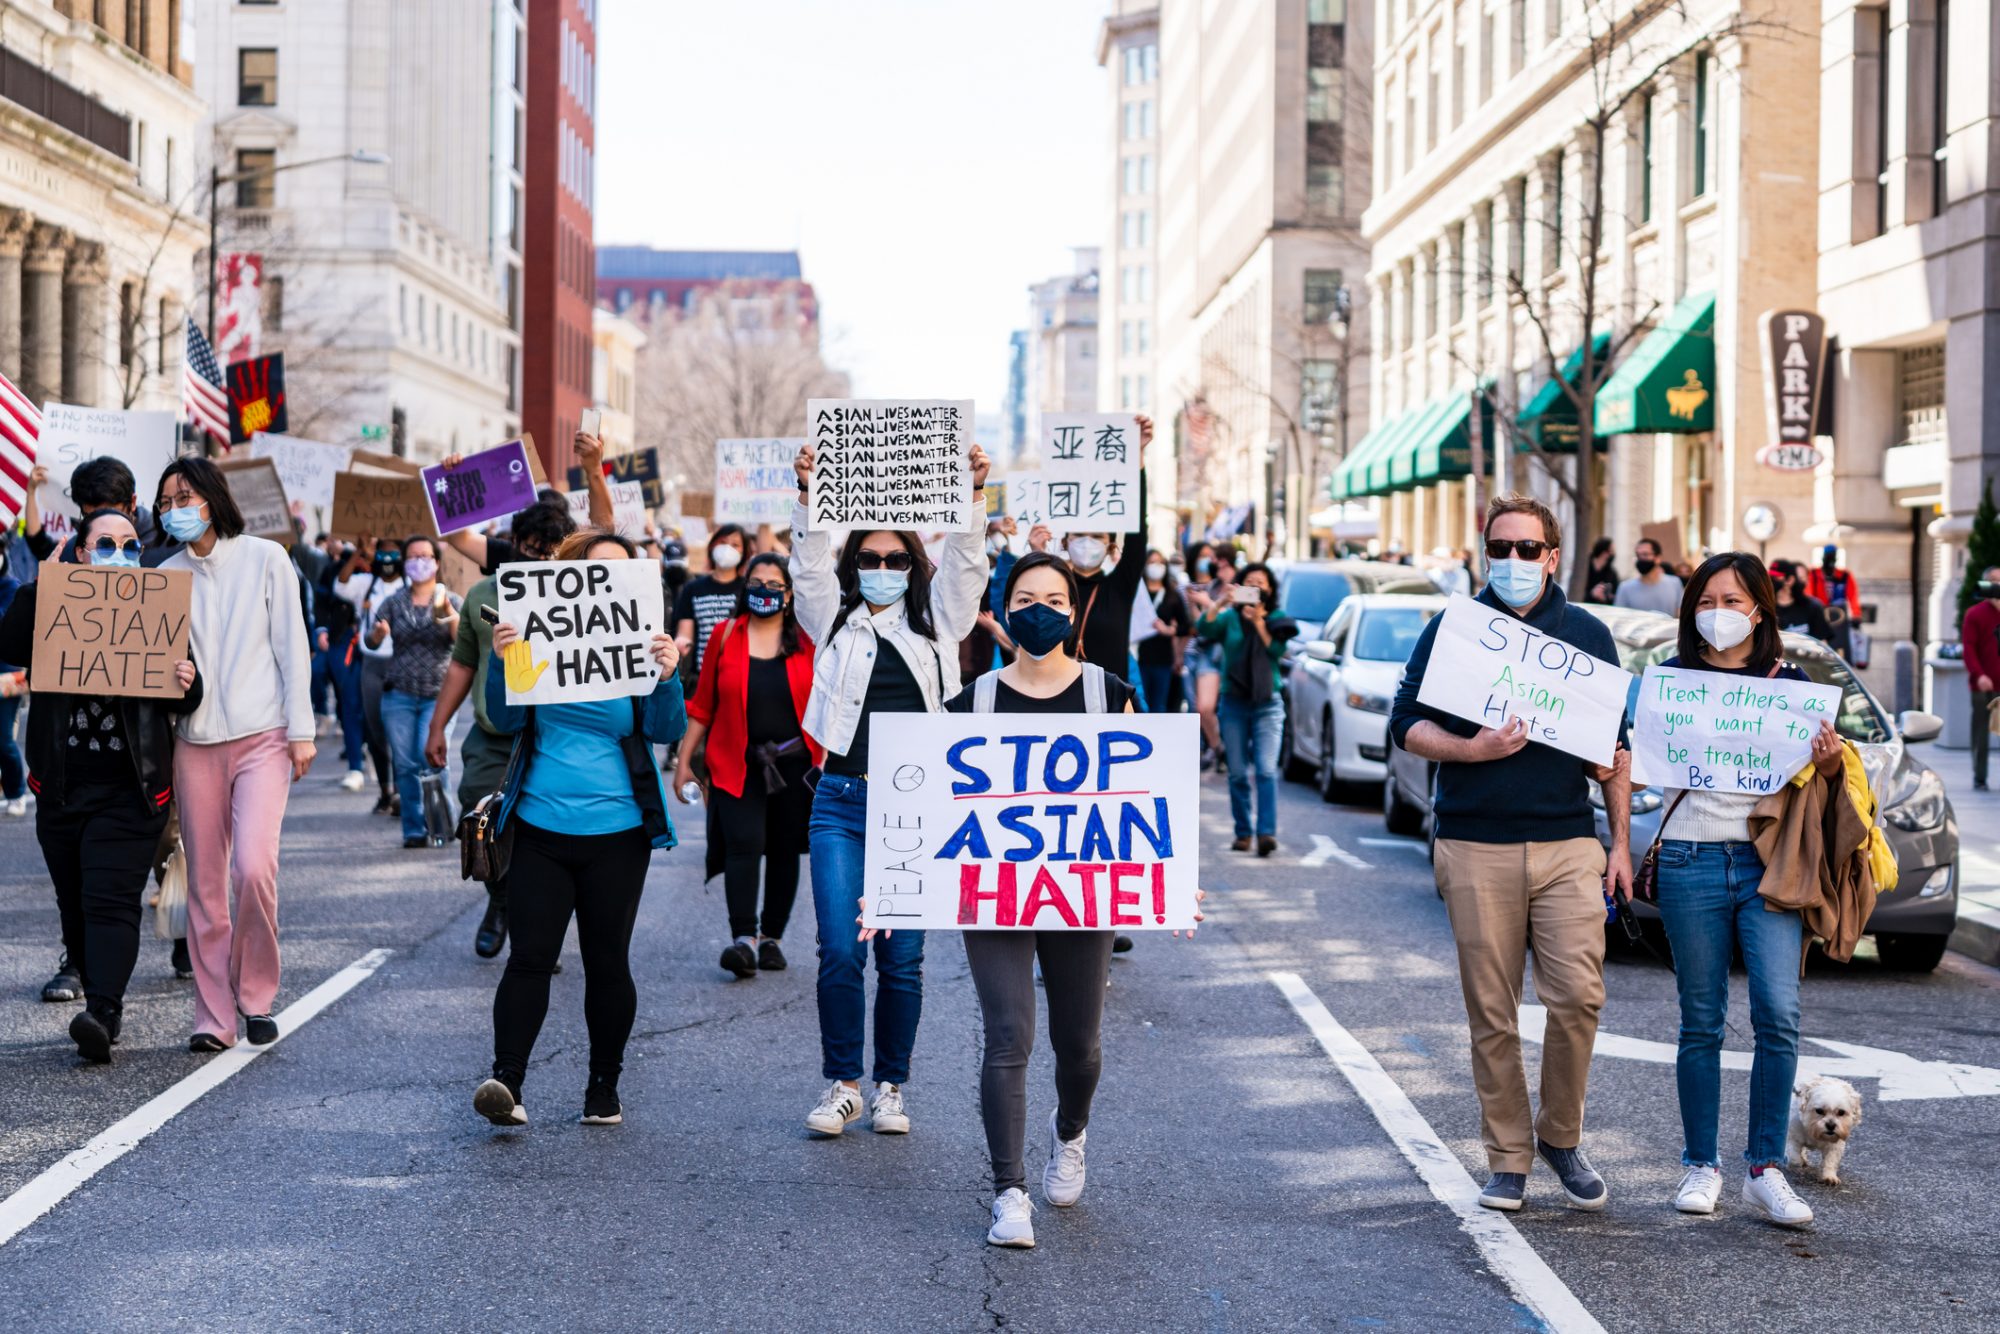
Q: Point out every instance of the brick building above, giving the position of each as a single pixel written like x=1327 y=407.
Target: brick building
x=558 y=253
x=765 y=289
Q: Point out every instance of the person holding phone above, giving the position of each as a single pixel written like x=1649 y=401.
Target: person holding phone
x=423 y=618
x=1250 y=632
x=365 y=590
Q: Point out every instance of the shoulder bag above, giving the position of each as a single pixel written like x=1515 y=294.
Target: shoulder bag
x=1646 y=880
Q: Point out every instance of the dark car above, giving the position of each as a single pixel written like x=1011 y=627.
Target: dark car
x=1310 y=591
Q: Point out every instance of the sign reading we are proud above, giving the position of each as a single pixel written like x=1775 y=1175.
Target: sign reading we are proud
x=110 y=630
x=586 y=626
x=1035 y=822
x=754 y=483
x=1716 y=732
x=892 y=463
x=1488 y=667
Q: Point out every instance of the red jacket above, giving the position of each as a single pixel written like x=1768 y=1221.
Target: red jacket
x=1980 y=634
x=1821 y=587
x=721 y=700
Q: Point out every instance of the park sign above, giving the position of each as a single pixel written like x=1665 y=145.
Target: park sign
x=586 y=626
x=1794 y=343
x=110 y=630
x=1718 y=732
x=1089 y=476
x=892 y=463
x=1487 y=666
x=482 y=487
x=1038 y=822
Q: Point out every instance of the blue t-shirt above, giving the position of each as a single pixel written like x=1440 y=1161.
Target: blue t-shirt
x=577 y=780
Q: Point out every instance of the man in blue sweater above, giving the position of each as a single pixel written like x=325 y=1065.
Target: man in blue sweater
x=1519 y=864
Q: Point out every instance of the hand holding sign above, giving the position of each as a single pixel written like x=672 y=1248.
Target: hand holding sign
x=577 y=631
x=1494 y=669
x=519 y=661
x=1717 y=732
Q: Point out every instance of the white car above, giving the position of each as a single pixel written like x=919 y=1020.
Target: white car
x=1342 y=684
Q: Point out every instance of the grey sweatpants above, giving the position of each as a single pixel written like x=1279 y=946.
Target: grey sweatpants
x=1075 y=965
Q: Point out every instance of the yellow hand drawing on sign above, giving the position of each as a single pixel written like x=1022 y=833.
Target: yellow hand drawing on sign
x=1684 y=399
x=522 y=670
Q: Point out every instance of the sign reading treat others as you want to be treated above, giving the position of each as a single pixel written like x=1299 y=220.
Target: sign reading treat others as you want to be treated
x=1089 y=478
x=1716 y=732
x=1487 y=667
x=586 y=626
x=110 y=630
x=1033 y=822
x=892 y=463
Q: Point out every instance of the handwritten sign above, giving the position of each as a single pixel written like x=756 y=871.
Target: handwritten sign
x=110 y=630
x=1039 y=822
x=1487 y=667
x=754 y=482
x=306 y=467
x=892 y=463
x=145 y=442
x=367 y=505
x=258 y=491
x=628 y=508
x=1715 y=732
x=641 y=466
x=1089 y=477
x=489 y=485
x=587 y=626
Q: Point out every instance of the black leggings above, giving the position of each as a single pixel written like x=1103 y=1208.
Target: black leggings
x=99 y=843
x=767 y=833
x=374 y=680
x=599 y=878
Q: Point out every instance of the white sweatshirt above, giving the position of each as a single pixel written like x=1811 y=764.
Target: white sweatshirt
x=248 y=636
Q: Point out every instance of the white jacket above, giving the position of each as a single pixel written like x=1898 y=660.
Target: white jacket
x=843 y=663
x=247 y=632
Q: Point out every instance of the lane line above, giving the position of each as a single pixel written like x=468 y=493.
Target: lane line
x=19 y=1210
x=1507 y=1253
x=1325 y=850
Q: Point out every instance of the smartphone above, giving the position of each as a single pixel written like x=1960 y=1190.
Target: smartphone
x=589 y=420
x=490 y=616
x=1245 y=596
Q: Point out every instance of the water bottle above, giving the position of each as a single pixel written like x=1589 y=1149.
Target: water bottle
x=691 y=792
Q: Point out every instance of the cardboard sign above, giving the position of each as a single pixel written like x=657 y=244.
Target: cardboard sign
x=628 y=509
x=381 y=465
x=365 y=505
x=754 y=482
x=892 y=463
x=1089 y=478
x=306 y=467
x=1714 y=732
x=259 y=492
x=641 y=466
x=489 y=485
x=586 y=626
x=1033 y=822
x=145 y=442
x=1487 y=667
x=257 y=397
x=110 y=630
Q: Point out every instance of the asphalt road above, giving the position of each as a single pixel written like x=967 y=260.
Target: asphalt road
x=1237 y=1179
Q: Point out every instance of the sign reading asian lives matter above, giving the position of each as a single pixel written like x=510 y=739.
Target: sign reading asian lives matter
x=754 y=482
x=588 y=626
x=1089 y=478
x=110 y=630
x=1717 y=732
x=1487 y=667
x=892 y=463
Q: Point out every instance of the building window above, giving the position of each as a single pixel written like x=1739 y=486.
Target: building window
x=1144 y=391
x=1326 y=190
x=1940 y=104
x=1704 y=116
x=255 y=186
x=1124 y=393
x=1920 y=394
x=1517 y=230
x=1326 y=11
x=1646 y=158
x=1322 y=295
x=1319 y=395
x=1145 y=337
x=1142 y=64
x=163 y=355
x=1323 y=96
x=1876 y=31
x=1517 y=36
x=256 y=77
x=1139 y=119
x=1485 y=254
x=274 y=304
x=1455 y=280
x=1552 y=211
x=1462 y=73
x=1434 y=90
x=129 y=315
x=1125 y=338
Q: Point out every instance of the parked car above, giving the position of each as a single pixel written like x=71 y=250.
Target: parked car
x=1340 y=687
x=1912 y=923
x=1310 y=591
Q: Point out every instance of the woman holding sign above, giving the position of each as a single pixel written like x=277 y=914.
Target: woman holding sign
x=887 y=632
x=1709 y=897
x=421 y=619
x=1251 y=632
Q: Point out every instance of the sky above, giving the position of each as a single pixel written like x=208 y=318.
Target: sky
x=929 y=159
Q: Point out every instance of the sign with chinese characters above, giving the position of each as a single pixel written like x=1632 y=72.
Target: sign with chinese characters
x=1089 y=477
x=892 y=463
x=1794 y=343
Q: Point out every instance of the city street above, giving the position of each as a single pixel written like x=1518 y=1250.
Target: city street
x=1241 y=1178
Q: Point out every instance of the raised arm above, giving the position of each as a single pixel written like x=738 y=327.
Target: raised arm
x=815 y=588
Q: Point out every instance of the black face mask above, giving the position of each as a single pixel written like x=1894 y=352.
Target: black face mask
x=387 y=569
x=1987 y=588
x=1644 y=566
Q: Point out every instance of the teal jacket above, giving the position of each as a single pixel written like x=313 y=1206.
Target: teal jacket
x=1226 y=628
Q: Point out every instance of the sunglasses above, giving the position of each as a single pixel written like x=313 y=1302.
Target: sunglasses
x=1499 y=548
x=779 y=589
x=111 y=546
x=875 y=560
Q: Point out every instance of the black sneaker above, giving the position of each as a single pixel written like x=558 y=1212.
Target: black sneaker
x=93 y=1037
x=492 y=930
x=418 y=842
x=1506 y=1190
x=207 y=1043
x=183 y=965
x=739 y=959
x=1580 y=1181
x=66 y=985
x=382 y=804
x=600 y=1103
x=769 y=957
x=260 y=1029
x=500 y=1103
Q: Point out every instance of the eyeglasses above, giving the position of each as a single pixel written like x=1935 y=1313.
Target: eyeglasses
x=181 y=500
x=111 y=546
x=875 y=560
x=779 y=589
x=1499 y=548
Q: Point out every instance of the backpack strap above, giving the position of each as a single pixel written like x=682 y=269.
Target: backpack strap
x=984 y=693
x=1093 y=688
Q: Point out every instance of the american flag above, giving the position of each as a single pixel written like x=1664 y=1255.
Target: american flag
x=20 y=428
x=202 y=394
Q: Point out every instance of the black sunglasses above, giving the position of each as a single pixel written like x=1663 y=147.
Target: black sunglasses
x=1499 y=548
x=875 y=560
x=769 y=588
x=106 y=546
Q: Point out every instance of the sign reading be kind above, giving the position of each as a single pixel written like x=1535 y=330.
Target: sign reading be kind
x=1487 y=667
x=1717 y=732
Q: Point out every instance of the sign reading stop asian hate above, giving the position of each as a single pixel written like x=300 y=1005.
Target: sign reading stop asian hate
x=1717 y=732
x=586 y=626
x=365 y=505
x=1033 y=822
x=1488 y=667
x=104 y=630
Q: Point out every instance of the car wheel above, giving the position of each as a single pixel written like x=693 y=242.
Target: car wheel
x=1330 y=787
x=1294 y=769
x=1399 y=815
x=1911 y=954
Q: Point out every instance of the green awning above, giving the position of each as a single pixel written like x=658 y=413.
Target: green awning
x=1441 y=448
x=1668 y=383
x=1549 y=421
x=1350 y=479
x=1381 y=479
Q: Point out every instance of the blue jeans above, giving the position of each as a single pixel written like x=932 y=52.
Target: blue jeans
x=322 y=667
x=839 y=816
x=407 y=720
x=345 y=677
x=1155 y=687
x=1246 y=725
x=1709 y=900
x=13 y=774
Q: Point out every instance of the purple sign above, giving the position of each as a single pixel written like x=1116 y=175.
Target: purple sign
x=489 y=485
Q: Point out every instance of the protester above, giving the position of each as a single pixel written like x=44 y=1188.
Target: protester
x=1601 y=584
x=241 y=748
x=708 y=600
x=1797 y=611
x=987 y=646
x=1650 y=588
x=673 y=568
x=423 y=618
x=755 y=680
x=1208 y=589
x=13 y=775
x=1161 y=649
x=585 y=807
x=1251 y=634
x=340 y=631
x=1979 y=635
x=1517 y=859
x=883 y=645
x=101 y=483
x=103 y=771
x=1839 y=592
x=366 y=591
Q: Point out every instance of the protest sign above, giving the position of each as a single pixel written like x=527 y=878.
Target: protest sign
x=372 y=464
x=306 y=467
x=586 y=626
x=367 y=505
x=1089 y=476
x=257 y=397
x=489 y=485
x=110 y=630
x=1487 y=667
x=259 y=492
x=145 y=442
x=1034 y=822
x=892 y=463
x=1720 y=733
x=641 y=466
x=628 y=509
x=754 y=482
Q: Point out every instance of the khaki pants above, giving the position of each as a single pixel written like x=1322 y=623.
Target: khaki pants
x=1502 y=898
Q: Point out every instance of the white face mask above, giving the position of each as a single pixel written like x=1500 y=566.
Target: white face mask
x=1086 y=553
x=995 y=545
x=726 y=558
x=1722 y=628
x=1156 y=571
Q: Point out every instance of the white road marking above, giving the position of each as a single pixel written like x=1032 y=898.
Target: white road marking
x=1507 y=1253
x=19 y=1210
x=1415 y=845
x=1325 y=850
x=1903 y=1078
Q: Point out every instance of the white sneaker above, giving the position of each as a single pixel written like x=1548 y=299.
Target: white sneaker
x=496 y=1102
x=890 y=1118
x=837 y=1106
x=355 y=778
x=1062 y=1179
x=18 y=806
x=1772 y=1196
x=1013 y=1220
x=1700 y=1189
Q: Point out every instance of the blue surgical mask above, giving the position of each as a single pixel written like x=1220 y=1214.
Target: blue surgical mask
x=185 y=525
x=881 y=587
x=1038 y=628
x=115 y=558
x=1517 y=582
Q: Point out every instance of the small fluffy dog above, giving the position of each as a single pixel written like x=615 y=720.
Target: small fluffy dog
x=1825 y=1112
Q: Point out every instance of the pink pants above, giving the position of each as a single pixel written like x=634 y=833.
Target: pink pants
x=232 y=803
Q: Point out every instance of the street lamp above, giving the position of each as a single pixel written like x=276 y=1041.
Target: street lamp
x=216 y=180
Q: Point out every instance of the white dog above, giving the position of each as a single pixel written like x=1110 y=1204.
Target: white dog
x=1825 y=1112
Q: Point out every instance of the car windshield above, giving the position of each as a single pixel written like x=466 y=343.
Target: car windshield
x=1313 y=595
x=1861 y=719
x=1388 y=634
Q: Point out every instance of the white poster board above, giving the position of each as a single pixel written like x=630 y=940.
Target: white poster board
x=1715 y=732
x=754 y=481
x=1043 y=822
x=892 y=463
x=628 y=508
x=307 y=467
x=1088 y=481
x=145 y=442
x=1487 y=667
x=587 y=627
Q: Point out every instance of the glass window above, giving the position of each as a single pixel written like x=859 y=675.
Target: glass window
x=1704 y=119
x=1151 y=61
x=1145 y=336
x=1326 y=11
x=1322 y=294
x=1455 y=279
x=1124 y=393
x=1646 y=158
x=1312 y=595
x=256 y=77
x=1323 y=96
x=255 y=187
x=1319 y=394
x=1552 y=240
x=1940 y=114
x=1326 y=190
x=1517 y=229
x=1485 y=254
x=1389 y=634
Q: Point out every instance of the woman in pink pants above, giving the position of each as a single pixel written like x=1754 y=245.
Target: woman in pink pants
x=239 y=752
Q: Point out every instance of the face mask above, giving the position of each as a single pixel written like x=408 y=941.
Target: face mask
x=1986 y=589
x=1827 y=562
x=1644 y=566
x=762 y=603
x=185 y=525
x=1156 y=571
x=725 y=558
x=881 y=587
x=1038 y=628
x=1722 y=628
x=386 y=570
x=1204 y=567
x=1086 y=553
x=422 y=569
x=1517 y=582
x=114 y=558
